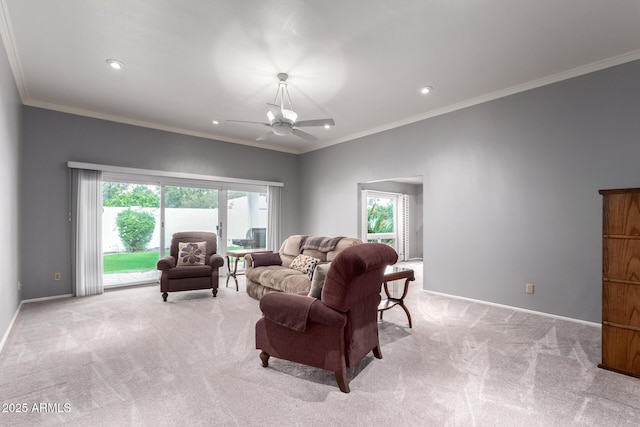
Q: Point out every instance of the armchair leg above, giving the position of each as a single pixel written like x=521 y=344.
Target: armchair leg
x=341 y=378
x=214 y=292
x=264 y=357
x=164 y=296
x=376 y=352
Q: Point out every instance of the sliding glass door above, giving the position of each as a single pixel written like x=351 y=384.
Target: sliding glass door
x=140 y=217
x=130 y=232
x=246 y=219
x=189 y=209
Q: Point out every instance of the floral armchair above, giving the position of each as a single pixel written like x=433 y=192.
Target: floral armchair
x=192 y=263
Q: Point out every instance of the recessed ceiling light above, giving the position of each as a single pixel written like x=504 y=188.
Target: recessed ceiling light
x=215 y=122
x=327 y=126
x=425 y=89
x=115 y=64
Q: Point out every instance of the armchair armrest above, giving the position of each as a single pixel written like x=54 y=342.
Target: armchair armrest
x=216 y=260
x=166 y=263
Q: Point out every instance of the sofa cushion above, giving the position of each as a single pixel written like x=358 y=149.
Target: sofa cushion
x=191 y=253
x=322 y=256
x=266 y=259
x=291 y=246
x=319 y=274
x=342 y=245
x=304 y=263
x=189 y=271
x=279 y=278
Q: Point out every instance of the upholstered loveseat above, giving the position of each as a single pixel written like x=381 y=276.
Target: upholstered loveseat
x=273 y=273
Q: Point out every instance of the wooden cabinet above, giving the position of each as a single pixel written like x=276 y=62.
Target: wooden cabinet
x=621 y=281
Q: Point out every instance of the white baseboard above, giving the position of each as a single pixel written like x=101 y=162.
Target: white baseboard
x=13 y=320
x=15 y=315
x=540 y=313
x=27 y=301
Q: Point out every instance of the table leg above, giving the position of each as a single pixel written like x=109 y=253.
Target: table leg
x=232 y=273
x=398 y=301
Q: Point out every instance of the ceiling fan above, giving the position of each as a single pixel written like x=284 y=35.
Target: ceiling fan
x=284 y=121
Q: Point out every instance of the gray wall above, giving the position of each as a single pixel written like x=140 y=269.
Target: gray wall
x=510 y=186
x=510 y=189
x=50 y=139
x=9 y=174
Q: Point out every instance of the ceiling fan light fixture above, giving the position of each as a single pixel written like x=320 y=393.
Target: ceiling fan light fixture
x=289 y=115
x=115 y=64
x=282 y=129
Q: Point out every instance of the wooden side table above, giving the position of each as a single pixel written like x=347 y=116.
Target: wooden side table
x=396 y=273
x=237 y=254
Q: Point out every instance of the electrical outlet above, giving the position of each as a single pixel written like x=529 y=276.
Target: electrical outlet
x=57 y=276
x=529 y=288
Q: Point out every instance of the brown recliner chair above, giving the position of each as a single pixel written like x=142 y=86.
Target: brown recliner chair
x=176 y=278
x=337 y=331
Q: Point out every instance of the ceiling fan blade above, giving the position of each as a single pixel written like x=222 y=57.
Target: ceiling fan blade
x=276 y=111
x=319 y=122
x=303 y=135
x=264 y=136
x=248 y=121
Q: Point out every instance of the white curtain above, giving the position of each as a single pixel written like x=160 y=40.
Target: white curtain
x=87 y=229
x=273 y=218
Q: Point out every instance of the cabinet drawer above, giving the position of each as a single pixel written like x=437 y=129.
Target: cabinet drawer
x=621 y=259
x=622 y=214
x=621 y=350
x=621 y=303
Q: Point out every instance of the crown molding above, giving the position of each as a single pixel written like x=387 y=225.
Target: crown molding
x=151 y=125
x=6 y=32
x=555 y=78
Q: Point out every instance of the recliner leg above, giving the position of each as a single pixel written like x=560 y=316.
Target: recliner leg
x=264 y=357
x=164 y=296
x=376 y=352
x=341 y=379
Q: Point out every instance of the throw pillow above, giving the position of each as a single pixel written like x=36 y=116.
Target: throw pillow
x=191 y=253
x=304 y=263
x=319 y=274
x=260 y=260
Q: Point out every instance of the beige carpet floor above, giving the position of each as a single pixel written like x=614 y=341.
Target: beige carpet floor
x=125 y=358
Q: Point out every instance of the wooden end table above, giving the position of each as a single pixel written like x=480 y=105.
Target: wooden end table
x=237 y=254
x=396 y=273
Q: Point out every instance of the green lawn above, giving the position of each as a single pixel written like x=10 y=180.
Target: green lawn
x=126 y=262
x=130 y=261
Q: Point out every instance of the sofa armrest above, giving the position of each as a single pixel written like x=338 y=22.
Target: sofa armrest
x=166 y=263
x=216 y=261
x=248 y=261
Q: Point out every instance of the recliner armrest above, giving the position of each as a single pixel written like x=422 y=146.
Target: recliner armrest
x=274 y=306
x=166 y=263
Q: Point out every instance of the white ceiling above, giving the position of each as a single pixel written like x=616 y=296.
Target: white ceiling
x=360 y=62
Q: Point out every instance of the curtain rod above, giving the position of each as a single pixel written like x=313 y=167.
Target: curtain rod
x=167 y=174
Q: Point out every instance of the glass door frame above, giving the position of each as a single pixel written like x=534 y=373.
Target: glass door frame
x=222 y=187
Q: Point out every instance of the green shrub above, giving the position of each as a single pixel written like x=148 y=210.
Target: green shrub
x=135 y=229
